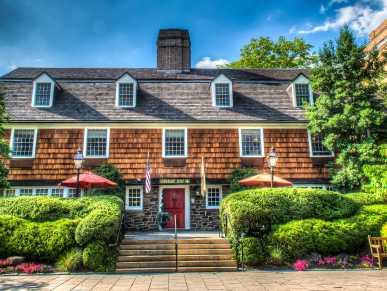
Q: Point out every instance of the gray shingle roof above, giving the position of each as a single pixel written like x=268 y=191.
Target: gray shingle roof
x=161 y=96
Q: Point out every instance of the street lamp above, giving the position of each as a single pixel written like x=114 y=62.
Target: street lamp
x=78 y=161
x=272 y=158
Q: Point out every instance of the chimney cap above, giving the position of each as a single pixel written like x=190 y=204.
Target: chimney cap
x=169 y=33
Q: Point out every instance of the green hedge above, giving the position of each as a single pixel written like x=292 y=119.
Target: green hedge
x=95 y=256
x=383 y=231
x=364 y=198
x=301 y=237
x=255 y=211
x=44 y=228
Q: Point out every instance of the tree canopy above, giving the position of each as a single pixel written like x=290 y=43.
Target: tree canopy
x=4 y=147
x=349 y=111
x=265 y=53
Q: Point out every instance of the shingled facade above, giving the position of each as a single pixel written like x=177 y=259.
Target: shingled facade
x=173 y=113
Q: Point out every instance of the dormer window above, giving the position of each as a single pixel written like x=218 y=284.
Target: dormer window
x=302 y=92
x=126 y=92
x=43 y=91
x=222 y=92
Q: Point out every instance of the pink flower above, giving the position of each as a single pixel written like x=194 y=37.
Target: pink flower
x=301 y=265
x=367 y=261
x=330 y=260
x=29 y=268
x=4 y=263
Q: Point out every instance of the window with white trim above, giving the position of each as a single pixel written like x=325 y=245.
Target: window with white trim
x=251 y=142
x=315 y=186
x=175 y=142
x=302 y=94
x=221 y=90
x=126 y=91
x=57 y=192
x=26 y=191
x=214 y=196
x=9 y=192
x=41 y=191
x=317 y=147
x=43 y=91
x=134 y=198
x=96 y=142
x=23 y=143
x=72 y=191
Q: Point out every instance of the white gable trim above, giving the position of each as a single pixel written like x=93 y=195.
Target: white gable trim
x=301 y=79
x=221 y=79
x=43 y=78
x=126 y=79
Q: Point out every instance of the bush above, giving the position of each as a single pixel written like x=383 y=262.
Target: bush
x=71 y=261
x=363 y=198
x=383 y=231
x=95 y=255
x=301 y=237
x=252 y=251
x=255 y=211
x=239 y=174
x=43 y=241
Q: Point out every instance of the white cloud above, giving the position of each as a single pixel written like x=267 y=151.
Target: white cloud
x=292 y=30
x=322 y=9
x=361 y=18
x=207 y=63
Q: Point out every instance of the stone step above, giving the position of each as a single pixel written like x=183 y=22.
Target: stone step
x=205 y=257
x=226 y=251
x=207 y=269
x=145 y=270
x=124 y=252
x=147 y=247
x=203 y=246
x=218 y=263
x=146 y=258
x=148 y=264
x=202 y=241
x=146 y=242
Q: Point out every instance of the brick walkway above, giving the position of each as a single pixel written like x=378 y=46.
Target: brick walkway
x=259 y=280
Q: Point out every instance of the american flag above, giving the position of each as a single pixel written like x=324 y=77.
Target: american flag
x=148 y=184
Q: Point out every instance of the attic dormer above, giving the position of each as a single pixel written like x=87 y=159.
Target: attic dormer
x=126 y=91
x=43 y=91
x=221 y=91
x=300 y=91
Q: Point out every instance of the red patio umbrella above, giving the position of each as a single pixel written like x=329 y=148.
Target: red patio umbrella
x=264 y=180
x=88 y=180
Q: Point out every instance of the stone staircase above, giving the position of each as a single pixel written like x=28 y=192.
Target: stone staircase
x=193 y=255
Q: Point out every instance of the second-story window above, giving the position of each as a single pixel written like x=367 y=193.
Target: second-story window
x=43 y=94
x=222 y=95
x=175 y=143
x=96 y=143
x=125 y=95
x=251 y=142
x=302 y=94
x=23 y=143
x=316 y=146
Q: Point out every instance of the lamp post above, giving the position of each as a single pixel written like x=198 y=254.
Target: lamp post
x=78 y=161
x=272 y=158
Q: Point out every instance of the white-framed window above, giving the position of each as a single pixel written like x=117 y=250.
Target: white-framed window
x=23 y=142
x=315 y=186
x=302 y=92
x=25 y=191
x=214 y=196
x=126 y=92
x=43 y=91
x=9 y=192
x=221 y=91
x=134 y=198
x=96 y=142
x=251 y=142
x=40 y=191
x=57 y=192
x=174 y=142
x=316 y=146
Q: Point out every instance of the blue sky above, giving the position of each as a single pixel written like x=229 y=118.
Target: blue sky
x=94 y=33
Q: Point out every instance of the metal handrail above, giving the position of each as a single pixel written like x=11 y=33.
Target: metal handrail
x=238 y=241
x=176 y=258
x=118 y=232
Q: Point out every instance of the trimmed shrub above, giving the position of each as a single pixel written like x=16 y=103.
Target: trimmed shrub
x=301 y=237
x=364 y=198
x=95 y=255
x=255 y=211
x=252 y=251
x=71 y=261
x=383 y=231
x=43 y=241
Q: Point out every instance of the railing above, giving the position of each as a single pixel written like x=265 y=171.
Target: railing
x=176 y=258
x=120 y=228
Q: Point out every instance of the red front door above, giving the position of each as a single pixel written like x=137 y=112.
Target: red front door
x=174 y=203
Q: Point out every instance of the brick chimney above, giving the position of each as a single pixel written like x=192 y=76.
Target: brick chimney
x=174 y=50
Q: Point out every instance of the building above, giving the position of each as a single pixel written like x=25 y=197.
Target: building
x=174 y=113
x=378 y=38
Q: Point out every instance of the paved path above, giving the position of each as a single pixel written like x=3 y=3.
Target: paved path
x=252 y=280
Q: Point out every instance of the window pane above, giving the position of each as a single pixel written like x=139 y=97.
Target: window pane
x=25 y=191
x=302 y=94
x=57 y=192
x=71 y=192
x=174 y=142
x=23 y=142
x=213 y=197
x=42 y=94
x=222 y=95
x=9 y=192
x=41 y=192
x=251 y=142
x=125 y=94
x=318 y=149
x=134 y=198
x=96 y=142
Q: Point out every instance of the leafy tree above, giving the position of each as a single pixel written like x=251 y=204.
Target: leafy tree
x=264 y=53
x=239 y=174
x=349 y=111
x=4 y=147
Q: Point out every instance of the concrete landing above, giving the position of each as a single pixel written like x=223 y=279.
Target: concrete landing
x=165 y=235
